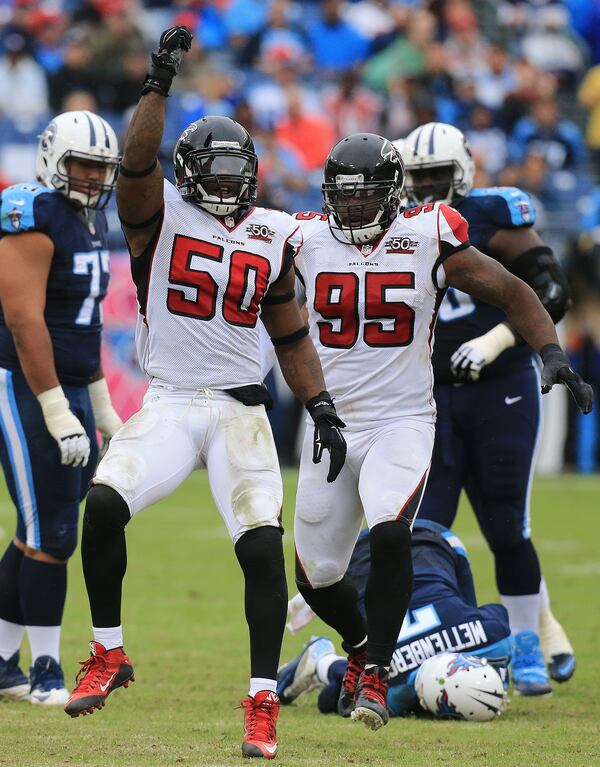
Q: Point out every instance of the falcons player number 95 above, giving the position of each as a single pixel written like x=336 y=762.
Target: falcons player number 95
x=374 y=279
x=206 y=262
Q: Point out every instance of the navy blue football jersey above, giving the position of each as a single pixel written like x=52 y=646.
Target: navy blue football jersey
x=462 y=317
x=443 y=615
x=77 y=282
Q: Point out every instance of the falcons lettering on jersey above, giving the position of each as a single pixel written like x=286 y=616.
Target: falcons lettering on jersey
x=372 y=315
x=201 y=290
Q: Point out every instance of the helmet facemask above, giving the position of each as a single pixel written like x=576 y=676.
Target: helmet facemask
x=219 y=180
x=361 y=210
x=433 y=182
x=87 y=193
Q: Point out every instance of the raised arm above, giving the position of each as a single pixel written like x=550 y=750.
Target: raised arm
x=140 y=181
x=486 y=279
x=301 y=369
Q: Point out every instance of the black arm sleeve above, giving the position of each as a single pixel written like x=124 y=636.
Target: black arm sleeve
x=540 y=270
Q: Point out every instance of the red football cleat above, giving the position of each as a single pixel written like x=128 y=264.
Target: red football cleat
x=356 y=664
x=370 y=705
x=260 y=722
x=103 y=672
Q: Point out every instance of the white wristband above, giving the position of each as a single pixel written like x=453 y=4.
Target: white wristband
x=55 y=406
x=494 y=342
x=99 y=394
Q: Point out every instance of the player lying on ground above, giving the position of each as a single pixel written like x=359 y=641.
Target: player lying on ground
x=205 y=261
x=443 y=616
x=374 y=279
x=487 y=391
x=53 y=395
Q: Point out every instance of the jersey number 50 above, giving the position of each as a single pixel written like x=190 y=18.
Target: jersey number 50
x=336 y=300
x=248 y=280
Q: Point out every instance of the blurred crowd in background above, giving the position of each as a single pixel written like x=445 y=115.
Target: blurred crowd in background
x=520 y=77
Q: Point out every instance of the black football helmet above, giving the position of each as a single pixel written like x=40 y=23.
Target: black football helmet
x=363 y=180
x=216 y=165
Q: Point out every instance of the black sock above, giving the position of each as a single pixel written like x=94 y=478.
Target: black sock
x=260 y=554
x=389 y=588
x=518 y=570
x=42 y=591
x=10 y=605
x=337 y=605
x=104 y=554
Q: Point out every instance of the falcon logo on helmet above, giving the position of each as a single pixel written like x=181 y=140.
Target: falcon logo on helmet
x=82 y=136
x=438 y=163
x=363 y=180
x=216 y=165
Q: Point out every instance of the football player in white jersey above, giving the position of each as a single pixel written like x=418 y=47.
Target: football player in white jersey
x=374 y=279
x=205 y=261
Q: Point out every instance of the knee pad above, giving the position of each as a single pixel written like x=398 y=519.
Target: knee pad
x=390 y=539
x=105 y=509
x=261 y=551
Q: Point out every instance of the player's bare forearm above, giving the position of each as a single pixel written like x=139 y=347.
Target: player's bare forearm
x=485 y=279
x=140 y=198
x=301 y=368
x=145 y=133
x=34 y=349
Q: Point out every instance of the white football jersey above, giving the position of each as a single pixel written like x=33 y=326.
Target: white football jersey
x=199 y=293
x=372 y=311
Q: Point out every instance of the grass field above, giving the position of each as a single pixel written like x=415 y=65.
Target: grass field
x=187 y=637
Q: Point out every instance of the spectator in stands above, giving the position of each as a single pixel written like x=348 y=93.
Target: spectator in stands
x=466 y=47
x=335 y=45
x=405 y=56
x=23 y=90
x=280 y=33
x=48 y=30
x=488 y=142
x=282 y=70
x=74 y=74
x=551 y=46
x=589 y=96
x=559 y=141
x=117 y=37
x=496 y=79
x=311 y=135
x=352 y=107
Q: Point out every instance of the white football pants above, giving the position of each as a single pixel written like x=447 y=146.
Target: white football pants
x=180 y=430
x=383 y=479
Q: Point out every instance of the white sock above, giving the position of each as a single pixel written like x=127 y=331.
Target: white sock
x=109 y=637
x=523 y=612
x=44 y=640
x=324 y=663
x=11 y=636
x=257 y=684
x=544 y=596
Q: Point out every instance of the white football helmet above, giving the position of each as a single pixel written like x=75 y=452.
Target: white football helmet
x=457 y=686
x=82 y=136
x=438 y=162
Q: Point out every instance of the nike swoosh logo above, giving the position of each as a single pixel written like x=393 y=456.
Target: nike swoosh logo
x=17 y=202
x=104 y=687
x=512 y=400
x=270 y=749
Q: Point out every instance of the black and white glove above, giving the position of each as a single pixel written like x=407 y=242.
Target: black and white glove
x=65 y=427
x=558 y=370
x=174 y=42
x=327 y=433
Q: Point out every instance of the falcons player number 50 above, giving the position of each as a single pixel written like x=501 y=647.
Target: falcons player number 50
x=248 y=280
x=337 y=298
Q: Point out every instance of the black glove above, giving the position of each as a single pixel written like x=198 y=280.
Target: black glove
x=327 y=433
x=165 y=63
x=557 y=370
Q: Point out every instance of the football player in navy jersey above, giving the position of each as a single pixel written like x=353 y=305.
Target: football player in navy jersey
x=53 y=396
x=443 y=616
x=488 y=394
